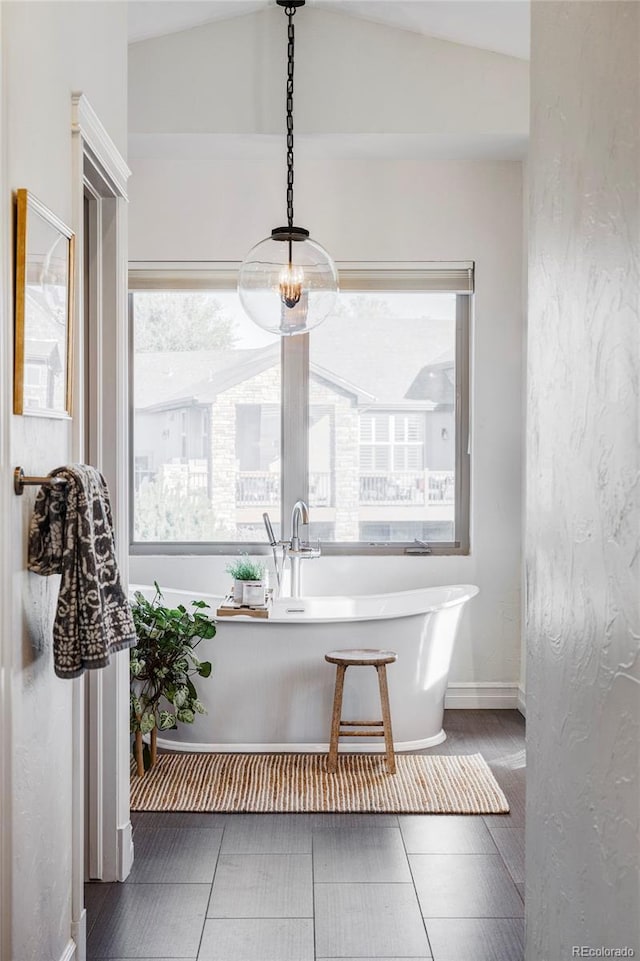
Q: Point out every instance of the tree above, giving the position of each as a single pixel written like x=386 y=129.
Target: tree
x=172 y=513
x=181 y=320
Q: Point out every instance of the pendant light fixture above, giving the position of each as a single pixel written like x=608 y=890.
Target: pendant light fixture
x=288 y=283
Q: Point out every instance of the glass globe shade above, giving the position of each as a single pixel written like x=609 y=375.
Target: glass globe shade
x=287 y=287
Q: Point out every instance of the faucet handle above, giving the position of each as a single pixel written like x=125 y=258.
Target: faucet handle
x=309 y=551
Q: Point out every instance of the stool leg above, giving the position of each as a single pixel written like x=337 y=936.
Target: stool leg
x=386 y=717
x=332 y=761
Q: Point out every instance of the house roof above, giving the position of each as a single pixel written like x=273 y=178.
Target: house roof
x=435 y=382
x=380 y=368
x=167 y=376
x=385 y=357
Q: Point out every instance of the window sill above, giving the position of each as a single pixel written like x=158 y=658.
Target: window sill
x=202 y=548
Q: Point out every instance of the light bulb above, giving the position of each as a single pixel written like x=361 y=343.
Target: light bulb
x=290 y=284
x=288 y=288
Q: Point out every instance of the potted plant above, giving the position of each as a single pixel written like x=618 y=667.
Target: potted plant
x=248 y=580
x=162 y=667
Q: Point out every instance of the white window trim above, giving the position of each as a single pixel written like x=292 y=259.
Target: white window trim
x=444 y=277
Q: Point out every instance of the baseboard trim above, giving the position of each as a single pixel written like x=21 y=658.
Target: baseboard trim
x=471 y=695
x=70 y=951
x=125 y=851
x=79 y=936
x=522 y=700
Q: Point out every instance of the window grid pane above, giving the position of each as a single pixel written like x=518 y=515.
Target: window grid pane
x=398 y=356
x=207 y=446
x=206 y=419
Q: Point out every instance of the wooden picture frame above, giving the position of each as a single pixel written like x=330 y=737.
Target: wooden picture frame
x=44 y=282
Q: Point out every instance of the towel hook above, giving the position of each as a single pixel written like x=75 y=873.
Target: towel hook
x=20 y=481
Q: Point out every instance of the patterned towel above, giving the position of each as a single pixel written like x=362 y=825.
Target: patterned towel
x=71 y=533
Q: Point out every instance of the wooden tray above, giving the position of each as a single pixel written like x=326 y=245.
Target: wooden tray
x=230 y=608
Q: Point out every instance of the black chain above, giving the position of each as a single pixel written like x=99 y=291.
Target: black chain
x=291 y=39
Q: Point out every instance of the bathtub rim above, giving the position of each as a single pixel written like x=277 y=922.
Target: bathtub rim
x=467 y=592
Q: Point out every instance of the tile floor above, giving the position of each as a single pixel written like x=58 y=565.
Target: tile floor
x=314 y=887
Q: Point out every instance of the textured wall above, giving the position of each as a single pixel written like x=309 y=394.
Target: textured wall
x=48 y=51
x=583 y=485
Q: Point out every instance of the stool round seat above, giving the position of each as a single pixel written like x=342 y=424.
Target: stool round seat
x=364 y=656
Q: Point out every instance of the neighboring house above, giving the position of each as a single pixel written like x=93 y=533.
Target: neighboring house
x=217 y=429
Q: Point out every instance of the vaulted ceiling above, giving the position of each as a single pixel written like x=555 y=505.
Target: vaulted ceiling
x=498 y=25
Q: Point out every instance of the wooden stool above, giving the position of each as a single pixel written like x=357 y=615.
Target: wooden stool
x=361 y=658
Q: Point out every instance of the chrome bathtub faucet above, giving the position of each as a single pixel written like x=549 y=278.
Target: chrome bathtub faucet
x=295 y=549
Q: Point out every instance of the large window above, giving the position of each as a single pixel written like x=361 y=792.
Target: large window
x=366 y=418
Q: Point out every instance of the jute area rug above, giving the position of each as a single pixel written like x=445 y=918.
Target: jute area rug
x=296 y=783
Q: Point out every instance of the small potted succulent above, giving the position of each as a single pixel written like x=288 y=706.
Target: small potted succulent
x=248 y=580
x=162 y=667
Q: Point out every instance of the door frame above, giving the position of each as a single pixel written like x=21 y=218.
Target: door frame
x=6 y=507
x=97 y=161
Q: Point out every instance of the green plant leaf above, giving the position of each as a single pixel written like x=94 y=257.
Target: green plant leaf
x=186 y=716
x=167 y=720
x=244 y=569
x=136 y=667
x=147 y=722
x=205 y=669
x=181 y=696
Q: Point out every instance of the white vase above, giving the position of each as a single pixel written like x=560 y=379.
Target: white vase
x=238 y=587
x=253 y=593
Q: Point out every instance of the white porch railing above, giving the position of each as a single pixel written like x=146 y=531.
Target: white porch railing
x=392 y=487
x=407 y=487
x=442 y=486
x=255 y=488
x=262 y=488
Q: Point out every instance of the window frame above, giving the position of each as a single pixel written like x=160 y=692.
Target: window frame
x=428 y=276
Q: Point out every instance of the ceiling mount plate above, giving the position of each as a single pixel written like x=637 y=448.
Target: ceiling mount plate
x=289 y=233
x=291 y=3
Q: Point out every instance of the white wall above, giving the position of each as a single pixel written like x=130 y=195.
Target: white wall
x=583 y=496
x=48 y=51
x=376 y=210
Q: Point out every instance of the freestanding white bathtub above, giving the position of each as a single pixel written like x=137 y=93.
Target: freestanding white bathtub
x=272 y=690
